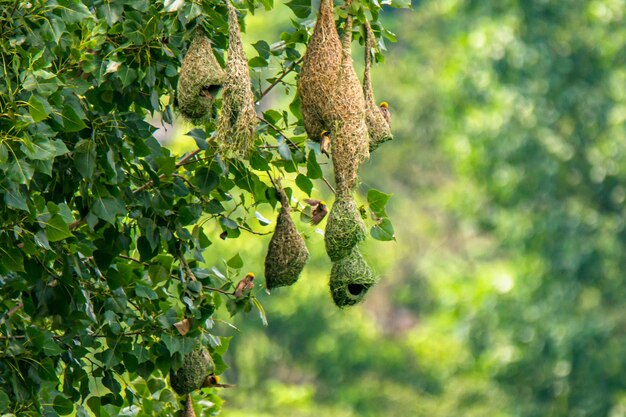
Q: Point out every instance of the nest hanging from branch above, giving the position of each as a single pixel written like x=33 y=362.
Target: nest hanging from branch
x=318 y=75
x=378 y=128
x=344 y=229
x=349 y=139
x=188 y=410
x=201 y=78
x=350 y=279
x=196 y=366
x=236 y=127
x=287 y=254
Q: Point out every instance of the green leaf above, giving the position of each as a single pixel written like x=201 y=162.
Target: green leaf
x=262 y=220
x=383 y=231
x=377 y=201
x=11 y=257
x=20 y=171
x=304 y=184
x=71 y=121
x=259 y=307
x=235 y=262
x=14 y=197
x=301 y=8
x=283 y=149
x=263 y=48
x=57 y=229
x=229 y=223
x=313 y=169
x=62 y=405
x=200 y=137
x=205 y=180
x=258 y=62
x=85 y=158
x=108 y=209
x=36 y=109
x=4 y=400
x=143 y=291
x=172 y=343
x=40 y=149
x=50 y=347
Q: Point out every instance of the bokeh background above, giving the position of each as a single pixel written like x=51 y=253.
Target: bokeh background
x=504 y=292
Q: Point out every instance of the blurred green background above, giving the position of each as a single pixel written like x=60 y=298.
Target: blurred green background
x=504 y=294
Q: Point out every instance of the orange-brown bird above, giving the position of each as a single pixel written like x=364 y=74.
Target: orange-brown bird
x=212 y=381
x=319 y=210
x=210 y=91
x=384 y=109
x=325 y=142
x=245 y=285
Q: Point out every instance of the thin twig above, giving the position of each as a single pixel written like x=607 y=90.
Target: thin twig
x=280 y=78
x=247 y=229
x=188 y=270
x=278 y=129
x=11 y=311
x=180 y=163
x=329 y=186
x=217 y=290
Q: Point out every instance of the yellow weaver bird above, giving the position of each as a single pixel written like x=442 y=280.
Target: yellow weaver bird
x=384 y=109
x=319 y=210
x=245 y=285
x=212 y=381
x=325 y=142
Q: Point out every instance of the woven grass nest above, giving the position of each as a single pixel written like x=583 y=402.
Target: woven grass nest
x=287 y=253
x=196 y=366
x=349 y=139
x=188 y=410
x=378 y=128
x=201 y=78
x=237 y=123
x=344 y=228
x=318 y=75
x=350 y=279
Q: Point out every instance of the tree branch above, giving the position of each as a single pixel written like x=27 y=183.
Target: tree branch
x=280 y=78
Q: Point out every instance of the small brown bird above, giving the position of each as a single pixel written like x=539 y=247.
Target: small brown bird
x=319 y=210
x=384 y=109
x=245 y=285
x=325 y=142
x=210 y=91
x=212 y=381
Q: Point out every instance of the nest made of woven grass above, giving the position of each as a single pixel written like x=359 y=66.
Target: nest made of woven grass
x=344 y=228
x=189 y=377
x=378 y=128
x=350 y=279
x=237 y=123
x=201 y=78
x=287 y=253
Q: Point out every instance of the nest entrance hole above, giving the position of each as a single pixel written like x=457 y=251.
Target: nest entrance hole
x=356 y=289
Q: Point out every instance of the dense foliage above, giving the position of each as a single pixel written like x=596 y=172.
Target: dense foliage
x=103 y=231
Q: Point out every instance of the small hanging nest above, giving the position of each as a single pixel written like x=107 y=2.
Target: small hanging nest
x=350 y=279
x=201 y=78
x=236 y=127
x=318 y=76
x=349 y=139
x=188 y=410
x=287 y=254
x=344 y=229
x=378 y=128
x=196 y=366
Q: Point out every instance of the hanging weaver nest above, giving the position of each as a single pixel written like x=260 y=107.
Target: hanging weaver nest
x=188 y=409
x=350 y=279
x=287 y=254
x=378 y=128
x=318 y=76
x=196 y=366
x=344 y=229
x=201 y=78
x=349 y=139
x=236 y=127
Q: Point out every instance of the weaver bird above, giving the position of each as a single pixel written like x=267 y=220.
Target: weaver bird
x=325 y=142
x=319 y=210
x=245 y=285
x=384 y=109
x=212 y=381
x=210 y=91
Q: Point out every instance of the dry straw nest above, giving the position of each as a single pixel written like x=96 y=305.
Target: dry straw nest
x=188 y=410
x=378 y=128
x=196 y=366
x=236 y=128
x=350 y=279
x=287 y=254
x=318 y=75
x=349 y=140
x=201 y=78
x=344 y=229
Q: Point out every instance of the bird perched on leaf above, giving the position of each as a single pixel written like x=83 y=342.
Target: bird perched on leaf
x=325 y=142
x=384 y=109
x=212 y=381
x=245 y=285
x=319 y=210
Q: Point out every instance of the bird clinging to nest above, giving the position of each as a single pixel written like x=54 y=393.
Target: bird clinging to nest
x=325 y=142
x=319 y=210
x=384 y=109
